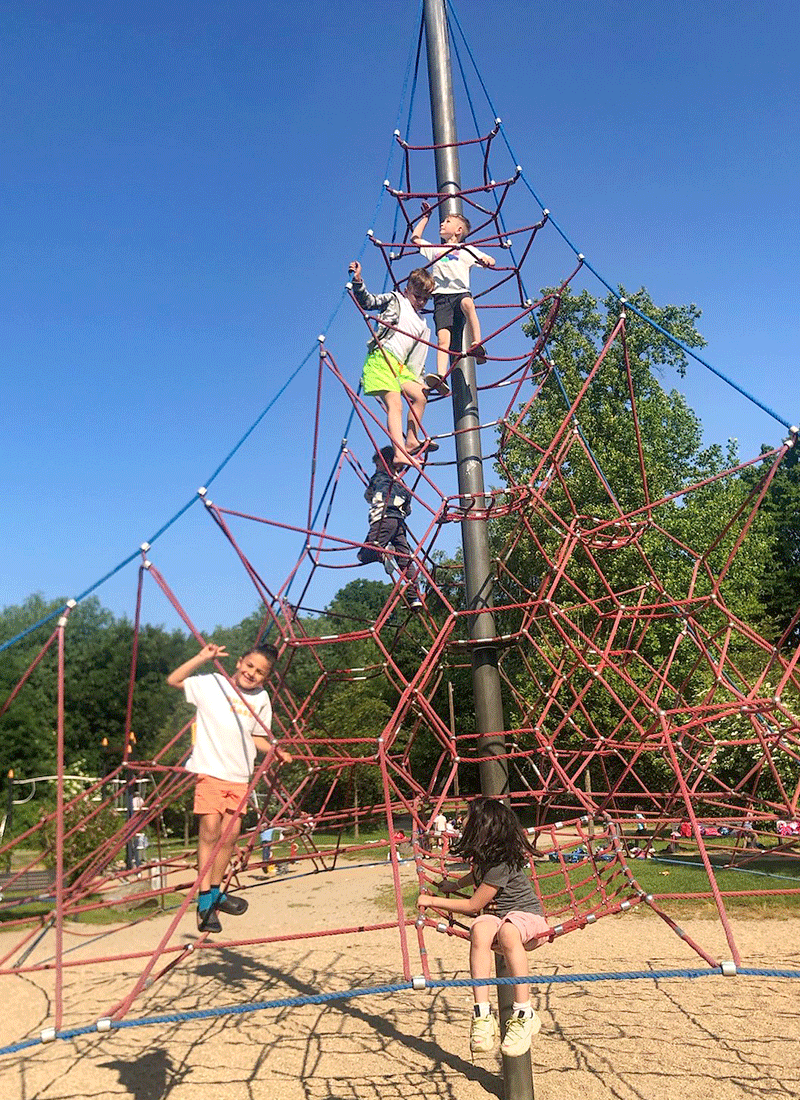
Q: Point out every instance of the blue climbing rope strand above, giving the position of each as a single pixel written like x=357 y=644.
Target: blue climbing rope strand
x=377 y=990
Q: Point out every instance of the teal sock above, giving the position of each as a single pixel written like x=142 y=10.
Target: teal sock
x=214 y=894
x=205 y=900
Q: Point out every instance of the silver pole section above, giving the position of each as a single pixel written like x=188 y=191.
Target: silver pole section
x=490 y=722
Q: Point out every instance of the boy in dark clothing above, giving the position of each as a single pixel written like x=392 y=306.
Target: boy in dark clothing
x=389 y=504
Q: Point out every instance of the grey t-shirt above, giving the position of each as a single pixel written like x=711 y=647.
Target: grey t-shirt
x=514 y=890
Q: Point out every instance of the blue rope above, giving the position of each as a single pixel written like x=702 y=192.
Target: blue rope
x=376 y=990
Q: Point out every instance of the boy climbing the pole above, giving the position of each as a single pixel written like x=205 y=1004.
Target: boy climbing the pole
x=234 y=720
x=452 y=301
x=395 y=362
x=389 y=505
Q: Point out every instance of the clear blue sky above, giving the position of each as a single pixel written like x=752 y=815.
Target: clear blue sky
x=183 y=188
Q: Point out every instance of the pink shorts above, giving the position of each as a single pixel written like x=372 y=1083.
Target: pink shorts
x=533 y=928
x=218 y=796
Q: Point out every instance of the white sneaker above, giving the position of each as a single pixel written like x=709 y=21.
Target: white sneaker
x=520 y=1029
x=483 y=1034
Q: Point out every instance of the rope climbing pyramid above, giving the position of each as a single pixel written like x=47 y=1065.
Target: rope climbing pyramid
x=634 y=685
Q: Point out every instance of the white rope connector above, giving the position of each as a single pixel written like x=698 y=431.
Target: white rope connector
x=498 y=121
x=546 y=212
x=387 y=184
x=397 y=133
x=147 y=564
x=48 y=1035
x=625 y=906
x=518 y=167
x=728 y=968
x=144 y=547
x=441 y=926
x=103 y=1025
x=581 y=256
x=62 y=622
x=418 y=982
x=321 y=338
x=591 y=918
x=201 y=492
x=370 y=233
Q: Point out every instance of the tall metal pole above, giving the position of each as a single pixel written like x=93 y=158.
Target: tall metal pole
x=474 y=534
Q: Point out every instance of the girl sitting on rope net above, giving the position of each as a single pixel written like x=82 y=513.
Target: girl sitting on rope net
x=509 y=920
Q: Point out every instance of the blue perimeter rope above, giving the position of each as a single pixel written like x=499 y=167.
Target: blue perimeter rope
x=350 y=994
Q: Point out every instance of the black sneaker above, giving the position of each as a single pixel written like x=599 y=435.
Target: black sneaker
x=231 y=904
x=208 y=921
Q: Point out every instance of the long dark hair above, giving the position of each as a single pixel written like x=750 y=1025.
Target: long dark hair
x=492 y=834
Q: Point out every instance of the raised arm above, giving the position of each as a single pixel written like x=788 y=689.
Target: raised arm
x=209 y=652
x=418 y=232
x=368 y=302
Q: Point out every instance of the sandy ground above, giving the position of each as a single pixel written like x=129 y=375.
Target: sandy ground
x=667 y=1039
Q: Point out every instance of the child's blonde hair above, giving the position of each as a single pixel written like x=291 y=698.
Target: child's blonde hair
x=421 y=281
x=464 y=221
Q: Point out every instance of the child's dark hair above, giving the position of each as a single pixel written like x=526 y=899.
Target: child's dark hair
x=492 y=834
x=269 y=652
x=385 y=456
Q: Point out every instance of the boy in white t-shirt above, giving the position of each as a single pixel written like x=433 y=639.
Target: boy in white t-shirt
x=452 y=301
x=234 y=720
x=395 y=363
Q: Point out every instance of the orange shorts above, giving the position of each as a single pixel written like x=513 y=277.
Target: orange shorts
x=218 y=796
x=533 y=928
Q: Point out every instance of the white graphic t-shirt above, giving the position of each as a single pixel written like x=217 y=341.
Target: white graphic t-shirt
x=451 y=267
x=226 y=724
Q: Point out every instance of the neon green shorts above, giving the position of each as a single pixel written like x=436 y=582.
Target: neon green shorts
x=384 y=371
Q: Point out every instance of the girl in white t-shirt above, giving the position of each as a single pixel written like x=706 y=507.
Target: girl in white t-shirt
x=234 y=720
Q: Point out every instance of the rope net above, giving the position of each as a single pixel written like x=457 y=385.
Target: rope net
x=642 y=709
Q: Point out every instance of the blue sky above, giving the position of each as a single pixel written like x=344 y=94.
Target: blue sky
x=183 y=189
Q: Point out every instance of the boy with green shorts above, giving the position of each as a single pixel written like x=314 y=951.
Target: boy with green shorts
x=395 y=363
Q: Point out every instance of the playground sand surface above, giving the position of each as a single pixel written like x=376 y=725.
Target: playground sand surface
x=711 y=1038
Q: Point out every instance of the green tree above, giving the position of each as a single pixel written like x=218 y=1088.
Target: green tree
x=593 y=472
x=781 y=564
